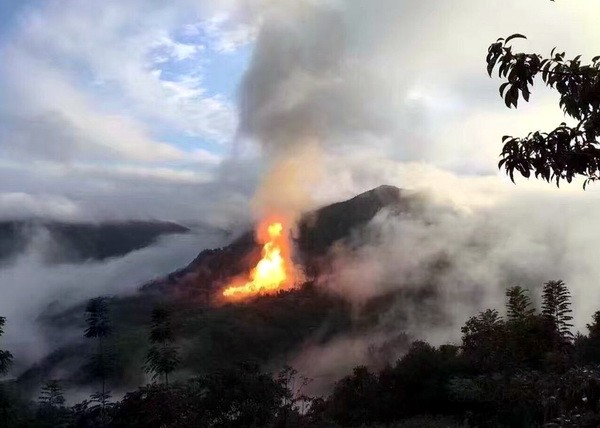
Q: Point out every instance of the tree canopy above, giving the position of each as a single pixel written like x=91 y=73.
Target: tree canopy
x=569 y=150
x=5 y=356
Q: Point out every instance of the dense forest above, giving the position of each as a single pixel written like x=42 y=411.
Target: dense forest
x=521 y=370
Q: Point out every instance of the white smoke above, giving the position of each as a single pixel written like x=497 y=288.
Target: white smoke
x=30 y=286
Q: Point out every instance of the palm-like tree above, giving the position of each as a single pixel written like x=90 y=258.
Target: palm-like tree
x=99 y=327
x=556 y=305
x=162 y=357
x=6 y=357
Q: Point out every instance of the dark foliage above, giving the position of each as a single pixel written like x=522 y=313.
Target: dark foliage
x=567 y=151
x=97 y=318
x=162 y=357
x=51 y=394
x=5 y=356
x=415 y=385
x=241 y=397
x=523 y=371
x=484 y=337
x=51 y=411
x=519 y=306
x=519 y=372
x=556 y=305
x=102 y=362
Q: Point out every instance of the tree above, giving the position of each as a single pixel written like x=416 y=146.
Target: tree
x=594 y=327
x=99 y=328
x=518 y=307
x=238 y=397
x=556 y=306
x=567 y=151
x=355 y=399
x=97 y=319
x=587 y=348
x=52 y=411
x=484 y=340
x=6 y=357
x=51 y=394
x=155 y=406
x=162 y=357
x=295 y=402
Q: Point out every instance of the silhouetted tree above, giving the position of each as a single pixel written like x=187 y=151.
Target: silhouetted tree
x=51 y=394
x=594 y=327
x=162 y=357
x=567 y=151
x=294 y=400
x=156 y=406
x=484 y=340
x=239 y=397
x=6 y=357
x=556 y=306
x=355 y=398
x=52 y=411
x=97 y=319
x=518 y=307
x=587 y=348
x=99 y=328
x=529 y=337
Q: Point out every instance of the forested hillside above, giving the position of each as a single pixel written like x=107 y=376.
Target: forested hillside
x=78 y=242
x=525 y=369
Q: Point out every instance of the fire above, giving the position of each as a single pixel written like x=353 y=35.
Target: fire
x=275 y=270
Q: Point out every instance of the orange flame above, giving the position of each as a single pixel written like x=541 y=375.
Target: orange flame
x=275 y=270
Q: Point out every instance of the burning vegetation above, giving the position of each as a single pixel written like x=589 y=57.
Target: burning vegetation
x=275 y=271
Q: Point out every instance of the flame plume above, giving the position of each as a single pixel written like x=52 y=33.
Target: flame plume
x=275 y=270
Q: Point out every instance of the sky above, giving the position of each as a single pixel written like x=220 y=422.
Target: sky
x=149 y=109
x=110 y=108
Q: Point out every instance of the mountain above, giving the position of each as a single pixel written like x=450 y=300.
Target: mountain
x=317 y=231
x=81 y=241
x=266 y=329
x=320 y=229
x=333 y=224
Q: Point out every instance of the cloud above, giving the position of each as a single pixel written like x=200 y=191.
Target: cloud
x=122 y=192
x=59 y=55
x=224 y=33
x=18 y=205
x=111 y=113
x=31 y=287
x=464 y=242
x=404 y=79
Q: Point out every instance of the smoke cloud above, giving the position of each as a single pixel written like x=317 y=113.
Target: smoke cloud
x=432 y=268
x=306 y=93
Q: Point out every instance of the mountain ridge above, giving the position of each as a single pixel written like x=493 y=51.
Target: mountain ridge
x=81 y=241
x=318 y=230
x=265 y=329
